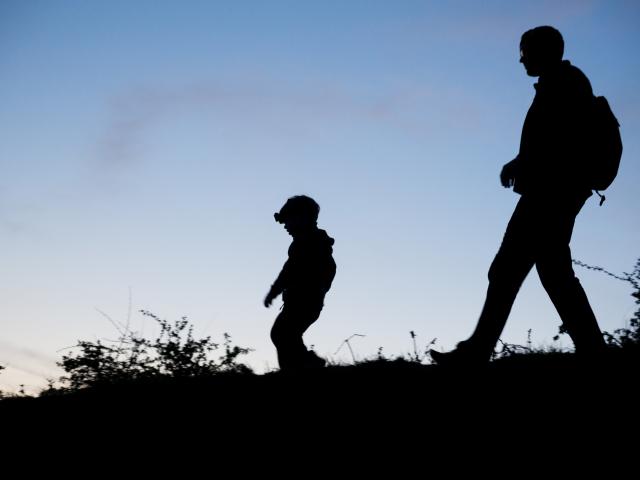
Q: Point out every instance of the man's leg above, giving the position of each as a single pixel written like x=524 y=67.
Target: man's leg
x=510 y=267
x=556 y=273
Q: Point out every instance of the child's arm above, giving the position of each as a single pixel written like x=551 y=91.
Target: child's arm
x=278 y=286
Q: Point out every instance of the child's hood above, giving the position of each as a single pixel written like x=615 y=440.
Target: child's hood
x=318 y=240
x=325 y=239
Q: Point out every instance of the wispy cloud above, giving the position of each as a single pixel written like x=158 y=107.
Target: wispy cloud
x=23 y=364
x=10 y=226
x=417 y=110
x=15 y=216
x=9 y=349
x=134 y=112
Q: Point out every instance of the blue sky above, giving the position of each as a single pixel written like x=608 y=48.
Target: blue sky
x=146 y=146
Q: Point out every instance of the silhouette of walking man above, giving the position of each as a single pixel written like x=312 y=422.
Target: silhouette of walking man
x=550 y=176
x=304 y=281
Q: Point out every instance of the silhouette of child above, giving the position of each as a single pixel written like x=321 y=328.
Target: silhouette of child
x=304 y=281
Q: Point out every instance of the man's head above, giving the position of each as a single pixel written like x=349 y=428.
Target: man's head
x=541 y=49
x=298 y=214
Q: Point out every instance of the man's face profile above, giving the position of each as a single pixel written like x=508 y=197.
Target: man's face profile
x=527 y=58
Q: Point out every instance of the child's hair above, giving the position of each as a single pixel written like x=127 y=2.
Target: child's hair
x=299 y=206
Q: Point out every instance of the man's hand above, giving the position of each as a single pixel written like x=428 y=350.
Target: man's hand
x=508 y=173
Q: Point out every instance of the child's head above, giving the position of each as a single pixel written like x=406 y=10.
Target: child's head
x=298 y=214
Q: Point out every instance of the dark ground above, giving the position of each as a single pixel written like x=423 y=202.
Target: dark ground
x=559 y=387
x=530 y=410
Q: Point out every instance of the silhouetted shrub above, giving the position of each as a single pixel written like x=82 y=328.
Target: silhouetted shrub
x=174 y=353
x=629 y=336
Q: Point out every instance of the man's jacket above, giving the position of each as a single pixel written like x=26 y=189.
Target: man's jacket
x=555 y=134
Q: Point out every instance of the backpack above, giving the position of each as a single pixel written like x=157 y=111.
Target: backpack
x=606 y=144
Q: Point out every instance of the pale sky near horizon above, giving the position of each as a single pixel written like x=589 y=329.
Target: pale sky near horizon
x=146 y=145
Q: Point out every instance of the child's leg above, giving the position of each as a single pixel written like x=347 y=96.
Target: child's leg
x=287 y=332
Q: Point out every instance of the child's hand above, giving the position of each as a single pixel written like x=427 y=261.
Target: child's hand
x=269 y=298
x=508 y=173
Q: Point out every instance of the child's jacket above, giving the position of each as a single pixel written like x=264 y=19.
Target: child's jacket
x=308 y=272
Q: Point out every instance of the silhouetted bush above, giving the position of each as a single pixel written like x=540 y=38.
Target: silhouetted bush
x=175 y=353
x=629 y=336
